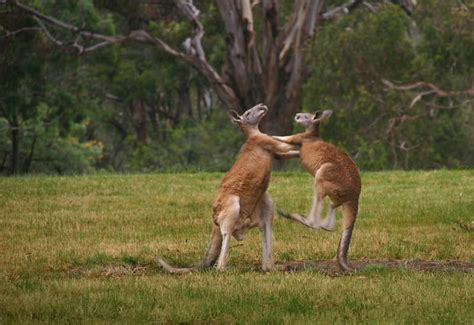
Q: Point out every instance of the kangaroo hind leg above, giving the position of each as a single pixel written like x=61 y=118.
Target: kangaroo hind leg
x=329 y=224
x=227 y=220
x=265 y=213
x=214 y=247
x=325 y=184
x=209 y=259
x=349 y=211
x=314 y=218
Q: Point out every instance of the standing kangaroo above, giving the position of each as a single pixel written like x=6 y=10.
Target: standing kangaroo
x=243 y=201
x=335 y=175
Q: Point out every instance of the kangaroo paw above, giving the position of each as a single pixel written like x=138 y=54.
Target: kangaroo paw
x=328 y=226
x=298 y=218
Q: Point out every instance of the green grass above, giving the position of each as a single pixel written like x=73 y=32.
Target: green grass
x=77 y=249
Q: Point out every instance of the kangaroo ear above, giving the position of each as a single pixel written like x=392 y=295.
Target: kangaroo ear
x=318 y=116
x=235 y=117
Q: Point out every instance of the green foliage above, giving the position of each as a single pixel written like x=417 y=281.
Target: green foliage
x=352 y=56
x=192 y=146
x=131 y=107
x=448 y=42
x=44 y=99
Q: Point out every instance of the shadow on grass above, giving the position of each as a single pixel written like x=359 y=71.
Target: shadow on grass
x=326 y=267
x=374 y=266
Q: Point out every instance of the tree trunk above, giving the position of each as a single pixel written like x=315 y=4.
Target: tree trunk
x=276 y=76
x=29 y=159
x=184 y=98
x=15 y=139
x=4 y=161
x=279 y=120
x=138 y=112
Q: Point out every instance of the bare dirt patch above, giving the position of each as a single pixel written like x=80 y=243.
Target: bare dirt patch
x=331 y=268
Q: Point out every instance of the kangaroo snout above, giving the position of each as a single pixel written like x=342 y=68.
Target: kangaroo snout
x=260 y=106
x=263 y=107
x=299 y=117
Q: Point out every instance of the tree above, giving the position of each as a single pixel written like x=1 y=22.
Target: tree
x=264 y=64
x=42 y=114
x=399 y=123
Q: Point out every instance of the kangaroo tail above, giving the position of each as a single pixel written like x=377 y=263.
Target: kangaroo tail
x=175 y=270
x=349 y=211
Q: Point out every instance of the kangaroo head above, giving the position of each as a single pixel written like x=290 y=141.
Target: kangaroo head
x=311 y=121
x=250 y=118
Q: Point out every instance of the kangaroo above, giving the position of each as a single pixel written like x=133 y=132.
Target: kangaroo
x=335 y=175
x=243 y=202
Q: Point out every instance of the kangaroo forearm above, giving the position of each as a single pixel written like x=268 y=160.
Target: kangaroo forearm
x=273 y=145
x=288 y=155
x=291 y=139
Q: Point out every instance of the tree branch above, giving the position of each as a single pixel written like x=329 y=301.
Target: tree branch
x=197 y=59
x=192 y=13
x=40 y=18
x=427 y=89
x=47 y=33
x=195 y=55
x=237 y=54
x=9 y=33
x=344 y=9
x=299 y=27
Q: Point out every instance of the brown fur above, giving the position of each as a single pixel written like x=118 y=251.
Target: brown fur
x=242 y=201
x=336 y=175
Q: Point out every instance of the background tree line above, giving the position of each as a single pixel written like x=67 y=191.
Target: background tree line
x=71 y=103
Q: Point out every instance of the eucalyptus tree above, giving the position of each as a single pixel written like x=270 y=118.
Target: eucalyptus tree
x=264 y=46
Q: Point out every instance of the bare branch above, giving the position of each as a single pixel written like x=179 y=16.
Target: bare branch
x=403 y=146
x=344 y=9
x=192 y=13
x=407 y=5
x=48 y=19
x=225 y=93
x=394 y=122
x=47 y=33
x=41 y=18
x=300 y=26
x=106 y=40
x=370 y=6
x=243 y=61
x=9 y=33
x=419 y=96
x=427 y=89
x=113 y=97
x=247 y=18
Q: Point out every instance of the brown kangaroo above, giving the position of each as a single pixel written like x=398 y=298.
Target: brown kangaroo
x=243 y=201
x=335 y=175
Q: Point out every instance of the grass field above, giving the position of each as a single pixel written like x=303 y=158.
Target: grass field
x=77 y=249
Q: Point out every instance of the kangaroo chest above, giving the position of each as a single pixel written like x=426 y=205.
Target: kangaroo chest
x=312 y=155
